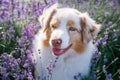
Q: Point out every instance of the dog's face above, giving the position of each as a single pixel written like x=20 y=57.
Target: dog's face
x=67 y=28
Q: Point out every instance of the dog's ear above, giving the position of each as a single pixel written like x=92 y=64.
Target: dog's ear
x=89 y=28
x=46 y=16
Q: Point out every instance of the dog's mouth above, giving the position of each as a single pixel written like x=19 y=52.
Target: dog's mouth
x=58 y=52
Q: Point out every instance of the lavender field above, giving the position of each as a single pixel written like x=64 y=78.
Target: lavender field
x=19 y=24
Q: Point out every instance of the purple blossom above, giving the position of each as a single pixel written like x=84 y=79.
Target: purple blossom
x=97 y=42
x=3 y=70
x=64 y=3
x=12 y=3
x=109 y=76
x=113 y=3
x=107 y=14
x=110 y=23
x=2 y=14
x=11 y=36
x=18 y=60
x=21 y=42
x=19 y=12
x=95 y=76
x=83 y=4
x=25 y=65
x=114 y=35
x=97 y=3
x=49 y=67
x=76 y=4
x=5 y=2
x=29 y=56
x=4 y=36
x=105 y=60
x=11 y=29
x=4 y=78
x=104 y=40
x=0 y=1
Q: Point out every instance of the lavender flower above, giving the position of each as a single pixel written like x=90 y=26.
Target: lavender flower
x=49 y=67
x=64 y=3
x=105 y=60
x=97 y=3
x=104 y=40
x=19 y=12
x=4 y=36
x=109 y=76
x=21 y=41
x=110 y=23
x=107 y=14
x=83 y=4
x=98 y=42
x=1 y=2
x=95 y=76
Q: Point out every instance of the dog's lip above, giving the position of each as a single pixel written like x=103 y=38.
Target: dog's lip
x=58 y=52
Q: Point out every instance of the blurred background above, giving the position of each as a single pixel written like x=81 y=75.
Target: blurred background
x=19 y=24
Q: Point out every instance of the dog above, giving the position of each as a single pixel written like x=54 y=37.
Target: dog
x=63 y=47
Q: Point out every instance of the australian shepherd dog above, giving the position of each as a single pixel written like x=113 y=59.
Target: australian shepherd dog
x=63 y=46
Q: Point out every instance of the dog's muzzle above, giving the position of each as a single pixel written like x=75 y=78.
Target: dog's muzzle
x=58 y=51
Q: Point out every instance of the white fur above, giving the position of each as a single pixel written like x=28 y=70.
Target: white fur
x=70 y=63
x=64 y=69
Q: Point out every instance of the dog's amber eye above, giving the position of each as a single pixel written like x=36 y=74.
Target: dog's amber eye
x=53 y=26
x=72 y=29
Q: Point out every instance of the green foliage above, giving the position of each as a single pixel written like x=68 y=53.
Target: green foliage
x=106 y=13
x=9 y=36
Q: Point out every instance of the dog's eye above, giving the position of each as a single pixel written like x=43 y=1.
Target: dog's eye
x=72 y=29
x=53 y=26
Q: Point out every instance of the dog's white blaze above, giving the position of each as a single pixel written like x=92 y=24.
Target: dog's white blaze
x=61 y=33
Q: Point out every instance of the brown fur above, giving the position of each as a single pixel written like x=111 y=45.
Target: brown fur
x=77 y=40
x=85 y=31
x=83 y=21
x=47 y=29
x=93 y=29
x=77 y=43
x=70 y=23
x=49 y=19
x=54 y=23
x=78 y=46
x=46 y=38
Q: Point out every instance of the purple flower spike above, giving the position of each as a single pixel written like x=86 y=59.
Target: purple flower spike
x=105 y=60
x=107 y=14
x=110 y=23
x=19 y=13
x=4 y=36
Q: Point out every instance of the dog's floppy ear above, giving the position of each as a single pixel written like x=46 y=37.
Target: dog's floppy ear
x=46 y=16
x=89 y=27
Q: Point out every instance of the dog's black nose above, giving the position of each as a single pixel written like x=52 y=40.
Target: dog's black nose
x=56 y=42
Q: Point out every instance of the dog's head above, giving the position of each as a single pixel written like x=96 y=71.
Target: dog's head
x=66 y=28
